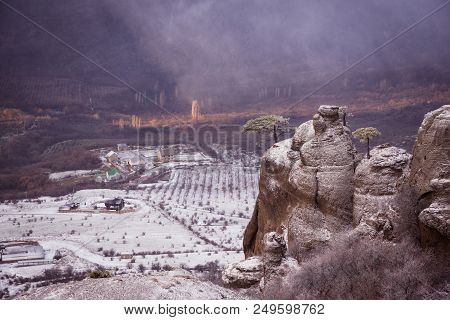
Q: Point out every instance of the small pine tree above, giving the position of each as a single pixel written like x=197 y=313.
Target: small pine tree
x=365 y=134
x=270 y=123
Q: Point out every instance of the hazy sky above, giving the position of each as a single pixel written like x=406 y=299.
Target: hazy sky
x=202 y=42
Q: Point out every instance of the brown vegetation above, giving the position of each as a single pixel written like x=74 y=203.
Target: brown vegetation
x=30 y=152
x=362 y=268
x=32 y=180
x=100 y=273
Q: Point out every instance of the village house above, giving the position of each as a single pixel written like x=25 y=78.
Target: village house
x=130 y=158
x=112 y=174
x=112 y=157
x=122 y=147
x=21 y=251
x=115 y=204
x=165 y=153
x=133 y=161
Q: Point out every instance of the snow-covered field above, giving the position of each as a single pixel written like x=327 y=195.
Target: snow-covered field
x=68 y=174
x=195 y=214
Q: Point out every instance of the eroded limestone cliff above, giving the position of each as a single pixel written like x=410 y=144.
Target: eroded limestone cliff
x=313 y=188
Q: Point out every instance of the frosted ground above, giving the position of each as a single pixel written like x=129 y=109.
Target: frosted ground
x=194 y=214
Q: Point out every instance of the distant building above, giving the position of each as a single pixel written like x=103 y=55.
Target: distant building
x=166 y=153
x=195 y=110
x=122 y=147
x=115 y=204
x=69 y=206
x=112 y=157
x=133 y=162
x=112 y=174
x=130 y=158
x=21 y=251
x=73 y=205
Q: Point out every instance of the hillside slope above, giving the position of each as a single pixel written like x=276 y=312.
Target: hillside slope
x=169 y=285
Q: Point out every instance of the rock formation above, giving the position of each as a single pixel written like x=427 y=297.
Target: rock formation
x=378 y=181
x=313 y=188
x=431 y=150
x=306 y=185
x=245 y=273
x=437 y=215
x=276 y=263
x=430 y=177
x=261 y=269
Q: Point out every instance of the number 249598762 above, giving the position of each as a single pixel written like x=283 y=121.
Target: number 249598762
x=283 y=308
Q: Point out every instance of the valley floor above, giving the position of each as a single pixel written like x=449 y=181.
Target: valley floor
x=194 y=216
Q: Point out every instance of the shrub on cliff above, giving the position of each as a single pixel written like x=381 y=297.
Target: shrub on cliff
x=361 y=268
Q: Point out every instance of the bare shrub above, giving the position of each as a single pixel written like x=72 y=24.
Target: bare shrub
x=361 y=268
x=53 y=273
x=69 y=271
x=156 y=266
x=141 y=268
x=100 y=273
x=167 y=267
x=4 y=294
x=210 y=271
x=57 y=255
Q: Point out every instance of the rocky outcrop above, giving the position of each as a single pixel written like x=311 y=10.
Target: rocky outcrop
x=277 y=264
x=303 y=133
x=437 y=215
x=430 y=176
x=309 y=185
x=431 y=151
x=378 y=181
x=244 y=274
x=306 y=185
x=272 y=203
x=312 y=189
x=273 y=263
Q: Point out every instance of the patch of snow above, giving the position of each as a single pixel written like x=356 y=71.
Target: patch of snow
x=70 y=174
